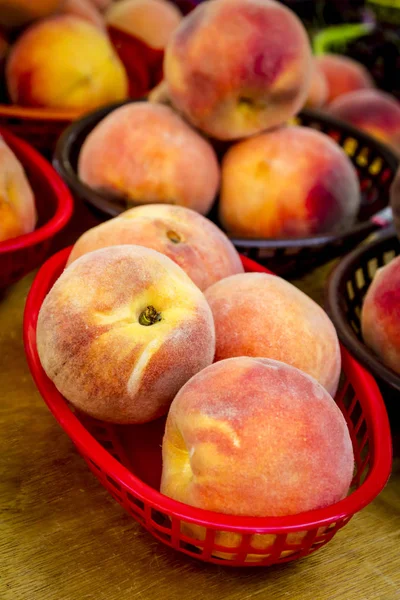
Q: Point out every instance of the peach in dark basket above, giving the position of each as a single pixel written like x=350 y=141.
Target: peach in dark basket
x=343 y=75
x=261 y=315
x=197 y=245
x=380 y=314
x=290 y=182
x=121 y=331
x=237 y=67
x=145 y=153
x=255 y=437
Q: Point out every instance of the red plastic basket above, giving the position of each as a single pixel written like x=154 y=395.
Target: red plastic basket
x=54 y=205
x=127 y=461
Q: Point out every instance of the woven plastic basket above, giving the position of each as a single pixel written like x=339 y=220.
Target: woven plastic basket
x=127 y=461
x=54 y=206
x=375 y=164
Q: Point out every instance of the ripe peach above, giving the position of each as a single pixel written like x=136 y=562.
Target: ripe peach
x=237 y=67
x=289 y=182
x=255 y=437
x=152 y=21
x=343 y=75
x=145 y=153
x=373 y=111
x=261 y=315
x=318 y=91
x=17 y=13
x=64 y=62
x=17 y=203
x=189 y=239
x=380 y=315
x=121 y=331
x=85 y=9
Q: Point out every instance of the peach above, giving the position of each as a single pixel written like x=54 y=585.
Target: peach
x=84 y=9
x=189 y=239
x=373 y=111
x=237 y=67
x=17 y=203
x=318 y=92
x=343 y=75
x=261 y=315
x=291 y=182
x=144 y=153
x=380 y=315
x=121 y=331
x=151 y=21
x=67 y=63
x=17 y=13
x=255 y=437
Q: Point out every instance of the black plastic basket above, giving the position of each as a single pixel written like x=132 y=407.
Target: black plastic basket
x=375 y=163
x=345 y=294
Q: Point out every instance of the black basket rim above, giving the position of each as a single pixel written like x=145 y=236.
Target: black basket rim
x=62 y=164
x=337 y=279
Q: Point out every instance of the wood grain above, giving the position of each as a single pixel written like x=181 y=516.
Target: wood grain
x=62 y=537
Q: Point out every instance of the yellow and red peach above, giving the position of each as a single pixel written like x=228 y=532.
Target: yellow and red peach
x=237 y=67
x=380 y=315
x=290 y=182
x=318 y=92
x=65 y=62
x=145 y=153
x=121 y=331
x=255 y=437
x=343 y=75
x=372 y=111
x=18 y=13
x=151 y=21
x=17 y=203
x=261 y=315
x=198 y=246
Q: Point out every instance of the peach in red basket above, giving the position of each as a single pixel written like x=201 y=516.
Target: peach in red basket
x=145 y=153
x=189 y=239
x=261 y=315
x=65 y=62
x=17 y=202
x=343 y=75
x=380 y=315
x=255 y=437
x=373 y=111
x=237 y=67
x=290 y=182
x=121 y=331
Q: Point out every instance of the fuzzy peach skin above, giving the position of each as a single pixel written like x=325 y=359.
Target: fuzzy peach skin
x=198 y=246
x=257 y=314
x=121 y=331
x=373 y=111
x=17 y=202
x=151 y=21
x=85 y=9
x=290 y=182
x=236 y=67
x=144 y=153
x=343 y=75
x=318 y=91
x=380 y=315
x=65 y=62
x=17 y=13
x=255 y=437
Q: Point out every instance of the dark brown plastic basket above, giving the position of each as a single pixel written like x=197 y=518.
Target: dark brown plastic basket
x=346 y=291
x=376 y=166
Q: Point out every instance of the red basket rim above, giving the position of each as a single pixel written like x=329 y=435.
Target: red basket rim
x=369 y=489
x=64 y=202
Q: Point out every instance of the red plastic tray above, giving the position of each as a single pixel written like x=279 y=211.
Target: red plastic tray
x=54 y=205
x=127 y=461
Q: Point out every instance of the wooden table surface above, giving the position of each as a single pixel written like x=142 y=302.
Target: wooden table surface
x=62 y=537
